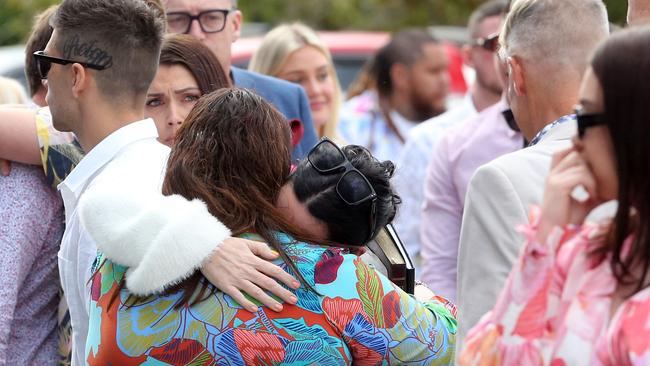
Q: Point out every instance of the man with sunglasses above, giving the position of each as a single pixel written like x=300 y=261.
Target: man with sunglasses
x=217 y=23
x=546 y=46
x=420 y=143
x=462 y=150
x=98 y=65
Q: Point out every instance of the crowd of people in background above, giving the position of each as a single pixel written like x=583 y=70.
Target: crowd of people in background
x=160 y=206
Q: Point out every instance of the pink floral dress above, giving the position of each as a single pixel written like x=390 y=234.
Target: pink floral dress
x=555 y=309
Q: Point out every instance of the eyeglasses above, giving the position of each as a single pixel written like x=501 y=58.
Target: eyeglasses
x=353 y=187
x=44 y=63
x=491 y=43
x=210 y=21
x=586 y=120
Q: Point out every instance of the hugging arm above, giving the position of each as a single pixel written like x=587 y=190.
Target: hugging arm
x=164 y=239
x=18 y=139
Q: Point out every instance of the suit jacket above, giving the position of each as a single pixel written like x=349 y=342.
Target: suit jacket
x=290 y=99
x=497 y=202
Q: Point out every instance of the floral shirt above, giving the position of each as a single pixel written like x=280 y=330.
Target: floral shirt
x=555 y=309
x=356 y=316
x=60 y=151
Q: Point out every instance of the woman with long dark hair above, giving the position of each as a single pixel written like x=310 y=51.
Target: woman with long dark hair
x=187 y=70
x=580 y=293
x=233 y=154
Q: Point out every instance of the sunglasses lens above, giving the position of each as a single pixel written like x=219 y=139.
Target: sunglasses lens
x=43 y=67
x=354 y=188
x=326 y=156
x=491 y=44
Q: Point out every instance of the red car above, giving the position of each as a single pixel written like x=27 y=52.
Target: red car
x=350 y=50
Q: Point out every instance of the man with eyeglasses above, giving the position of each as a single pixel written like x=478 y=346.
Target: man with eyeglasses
x=217 y=23
x=421 y=141
x=545 y=45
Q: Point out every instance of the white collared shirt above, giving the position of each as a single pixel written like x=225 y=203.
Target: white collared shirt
x=412 y=167
x=130 y=156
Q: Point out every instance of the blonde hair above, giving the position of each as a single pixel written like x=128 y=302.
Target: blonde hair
x=11 y=92
x=279 y=44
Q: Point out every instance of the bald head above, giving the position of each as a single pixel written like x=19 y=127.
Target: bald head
x=555 y=34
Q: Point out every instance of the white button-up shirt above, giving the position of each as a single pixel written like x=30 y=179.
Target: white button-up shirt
x=130 y=156
x=411 y=171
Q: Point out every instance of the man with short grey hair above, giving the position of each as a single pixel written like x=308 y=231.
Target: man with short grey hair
x=546 y=45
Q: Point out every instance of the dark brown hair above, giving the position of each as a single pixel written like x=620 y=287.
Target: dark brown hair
x=127 y=34
x=233 y=152
x=38 y=38
x=189 y=52
x=620 y=64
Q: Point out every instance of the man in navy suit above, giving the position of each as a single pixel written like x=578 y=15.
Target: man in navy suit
x=217 y=23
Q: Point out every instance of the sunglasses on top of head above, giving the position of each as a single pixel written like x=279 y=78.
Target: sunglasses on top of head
x=352 y=187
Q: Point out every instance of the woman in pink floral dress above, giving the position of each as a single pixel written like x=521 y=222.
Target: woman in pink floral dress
x=580 y=294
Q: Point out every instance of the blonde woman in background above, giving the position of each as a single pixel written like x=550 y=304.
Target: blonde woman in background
x=295 y=53
x=11 y=92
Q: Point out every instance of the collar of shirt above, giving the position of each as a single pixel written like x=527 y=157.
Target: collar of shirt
x=102 y=154
x=499 y=108
x=540 y=135
x=402 y=124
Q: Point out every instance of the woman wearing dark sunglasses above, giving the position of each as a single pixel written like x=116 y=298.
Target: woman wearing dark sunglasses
x=580 y=292
x=233 y=153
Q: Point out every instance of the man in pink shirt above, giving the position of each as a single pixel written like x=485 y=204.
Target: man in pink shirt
x=459 y=153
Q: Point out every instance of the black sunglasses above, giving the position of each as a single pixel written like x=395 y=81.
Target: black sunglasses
x=210 y=21
x=352 y=187
x=44 y=63
x=587 y=120
x=490 y=43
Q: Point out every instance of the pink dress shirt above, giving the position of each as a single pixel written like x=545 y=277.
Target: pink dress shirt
x=459 y=153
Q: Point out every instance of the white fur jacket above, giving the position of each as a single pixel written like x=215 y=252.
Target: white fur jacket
x=162 y=239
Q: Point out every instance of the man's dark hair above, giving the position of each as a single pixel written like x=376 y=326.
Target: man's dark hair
x=123 y=35
x=486 y=10
x=38 y=38
x=405 y=47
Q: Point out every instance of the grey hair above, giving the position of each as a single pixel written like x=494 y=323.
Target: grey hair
x=559 y=34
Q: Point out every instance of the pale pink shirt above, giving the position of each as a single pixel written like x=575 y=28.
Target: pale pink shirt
x=459 y=153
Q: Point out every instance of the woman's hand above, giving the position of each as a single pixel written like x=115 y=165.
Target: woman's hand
x=240 y=265
x=559 y=207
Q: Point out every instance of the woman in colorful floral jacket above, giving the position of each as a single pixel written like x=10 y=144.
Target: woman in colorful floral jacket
x=233 y=153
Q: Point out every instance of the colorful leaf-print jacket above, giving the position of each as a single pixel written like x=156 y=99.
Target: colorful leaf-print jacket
x=357 y=316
